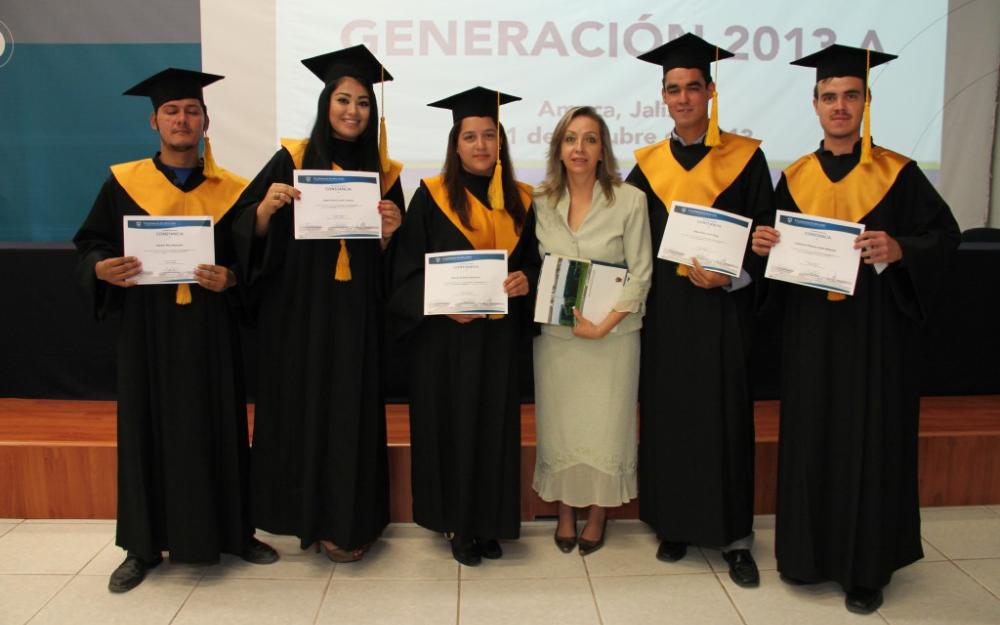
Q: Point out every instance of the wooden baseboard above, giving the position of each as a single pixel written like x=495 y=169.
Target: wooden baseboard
x=58 y=458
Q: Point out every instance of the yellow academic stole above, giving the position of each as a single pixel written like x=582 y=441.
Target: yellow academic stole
x=849 y=199
x=703 y=184
x=297 y=149
x=491 y=229
x=156 y=195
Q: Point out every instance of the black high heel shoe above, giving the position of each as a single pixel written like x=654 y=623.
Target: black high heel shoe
x=566 y=544
x=588 y=547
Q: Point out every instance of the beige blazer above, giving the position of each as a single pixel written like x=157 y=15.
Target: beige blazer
x=612 y=232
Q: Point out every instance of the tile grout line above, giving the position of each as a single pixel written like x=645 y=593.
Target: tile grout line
x=973 y=578
x=326 y=593
x=187 y=598
x=629 y=575
x=458 y=595
x=49 y=600
x=94 y=557
x=936 y=548
x=593 y=593
x=732 y=601
x=71 y=576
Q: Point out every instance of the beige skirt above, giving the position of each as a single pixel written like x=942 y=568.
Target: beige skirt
x=586 y=395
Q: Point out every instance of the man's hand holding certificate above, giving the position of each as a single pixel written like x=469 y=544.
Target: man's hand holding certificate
x=337 y=205
x=817 y=252
x=170 y=248
x=718 y=239
x=465 y=282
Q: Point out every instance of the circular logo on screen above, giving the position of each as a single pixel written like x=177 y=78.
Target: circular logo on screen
x=6 y=44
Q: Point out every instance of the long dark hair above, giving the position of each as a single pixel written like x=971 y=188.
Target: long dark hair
x=319 y=152
x=452 y=172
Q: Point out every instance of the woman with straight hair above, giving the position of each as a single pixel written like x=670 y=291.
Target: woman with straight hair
x=318 y=462
x=587 y=376
x=465 y=423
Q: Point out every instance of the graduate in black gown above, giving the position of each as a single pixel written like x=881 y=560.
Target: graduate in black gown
x=848 y=507
x=182 y=426
x=465 y=423
x=696 y=439
x=318 y=463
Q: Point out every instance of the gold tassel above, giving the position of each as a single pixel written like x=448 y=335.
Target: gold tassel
x=210 y=168
x=183 y=297
x=683 y=271
x=383 y=137
x=712 y=137
x=343 y=272
x=495 y=193
x=866 y=137
x=835 y=297
x=383 y=147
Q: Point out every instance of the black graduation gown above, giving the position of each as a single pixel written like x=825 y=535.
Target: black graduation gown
x=465 y=412
x=696 y=430
x=318 y=462
x=182 y=427
x=848 y=506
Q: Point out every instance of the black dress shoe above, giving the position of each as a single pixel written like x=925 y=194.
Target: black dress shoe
x=670 y=551
x=742 y=568
x=465 y=551
x=489 y=549
x=130 y=573
x=863 y=600
x=256 y=552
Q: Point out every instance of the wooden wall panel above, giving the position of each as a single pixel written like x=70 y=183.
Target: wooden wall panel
x=58 y=482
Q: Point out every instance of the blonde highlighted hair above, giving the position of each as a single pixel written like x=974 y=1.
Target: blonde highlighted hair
x=554 y=184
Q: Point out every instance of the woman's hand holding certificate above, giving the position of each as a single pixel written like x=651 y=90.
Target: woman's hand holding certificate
x=468 y=282
x=337 y=205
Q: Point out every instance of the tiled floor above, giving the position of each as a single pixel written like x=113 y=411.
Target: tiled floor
x=56 y=572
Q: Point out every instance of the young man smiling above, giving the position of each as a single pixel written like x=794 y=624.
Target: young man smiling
x=847 y=474
x=182 y=428
x=696 y=439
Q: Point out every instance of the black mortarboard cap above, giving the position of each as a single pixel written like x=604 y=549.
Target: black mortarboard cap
x=354 y=61
x=173 y=84
x=476 y=102
x=838 y=61
x=689 y=51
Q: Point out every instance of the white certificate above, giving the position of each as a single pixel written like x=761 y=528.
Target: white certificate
x=817 y=252
x=170 y=248
x=718 y=239
x=466 y=282
x=337 y=204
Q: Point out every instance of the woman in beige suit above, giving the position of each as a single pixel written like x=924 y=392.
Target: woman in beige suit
x=587 y=376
